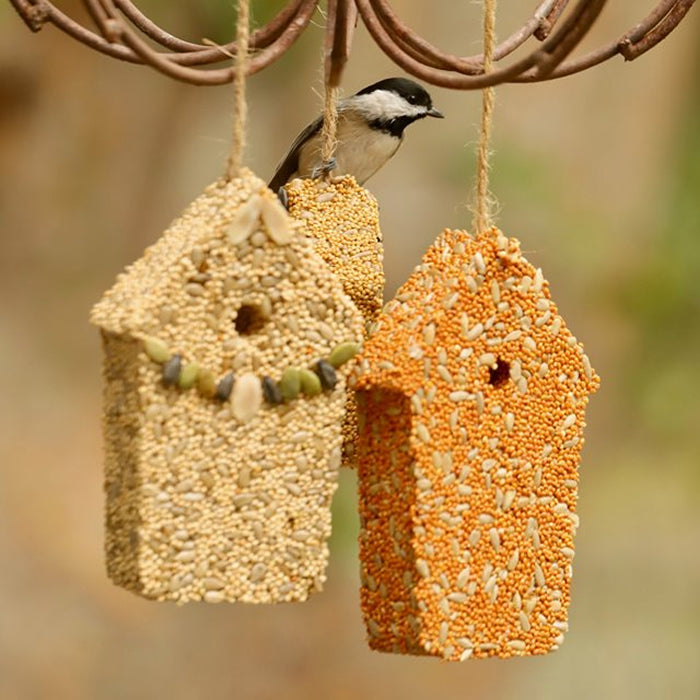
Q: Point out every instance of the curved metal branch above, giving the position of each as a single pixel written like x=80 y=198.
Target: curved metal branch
x=123 y=31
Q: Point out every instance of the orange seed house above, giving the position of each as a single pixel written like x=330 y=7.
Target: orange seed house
x=472 y=394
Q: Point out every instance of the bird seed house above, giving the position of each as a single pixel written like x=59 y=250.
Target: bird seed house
x=224 y=395
x=471 y=397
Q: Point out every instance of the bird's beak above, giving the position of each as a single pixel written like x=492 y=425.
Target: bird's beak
x=432 y=112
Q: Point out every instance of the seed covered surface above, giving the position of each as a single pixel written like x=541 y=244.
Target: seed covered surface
x=222 y=493
x=342 y=220
x=468 y=453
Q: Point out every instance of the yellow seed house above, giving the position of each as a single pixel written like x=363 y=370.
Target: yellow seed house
x=224 y=351
x=471 y=397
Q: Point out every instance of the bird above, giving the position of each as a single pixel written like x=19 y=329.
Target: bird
x=370 y=130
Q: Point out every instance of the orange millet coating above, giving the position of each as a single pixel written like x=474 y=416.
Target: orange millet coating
x=471 y=396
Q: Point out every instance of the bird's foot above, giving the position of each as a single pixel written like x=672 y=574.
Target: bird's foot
x=324 y=169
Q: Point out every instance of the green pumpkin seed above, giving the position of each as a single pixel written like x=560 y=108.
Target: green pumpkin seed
x=206 y=384
x=156 y=349
x=342 y=353
x=188 y=375
x=310 y=382
x=290 y=383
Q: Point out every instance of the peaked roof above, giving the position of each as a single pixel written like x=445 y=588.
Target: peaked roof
x=231 y=279
x=474 y=310
x=138 y=291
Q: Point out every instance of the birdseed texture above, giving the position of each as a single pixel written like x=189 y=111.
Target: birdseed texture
x=471 y=400
x=342 y=220
x=226 y=349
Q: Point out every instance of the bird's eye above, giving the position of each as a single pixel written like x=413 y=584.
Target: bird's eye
x=412 y=99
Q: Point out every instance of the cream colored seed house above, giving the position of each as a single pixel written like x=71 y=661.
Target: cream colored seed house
x=342 y=219
x=471 y=403
x=220 y=490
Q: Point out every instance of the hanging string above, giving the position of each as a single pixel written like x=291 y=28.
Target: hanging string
x=484 y=202
x=329 y=133
x=240 y=117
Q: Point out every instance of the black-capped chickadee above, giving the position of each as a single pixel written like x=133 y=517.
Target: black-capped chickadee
x=370 y=130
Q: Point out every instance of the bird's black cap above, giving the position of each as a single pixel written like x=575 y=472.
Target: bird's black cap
x=411 y=91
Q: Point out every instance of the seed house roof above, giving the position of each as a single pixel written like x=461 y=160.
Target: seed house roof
x=468 y=305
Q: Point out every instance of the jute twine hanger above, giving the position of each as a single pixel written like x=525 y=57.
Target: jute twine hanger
x=484 y=201
x=240 y=117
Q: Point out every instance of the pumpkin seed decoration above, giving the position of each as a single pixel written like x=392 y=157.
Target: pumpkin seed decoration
x=310 y=383
x=206 y=383
x=290 y=384
x=247 y=393
x=343 y=353
x=156 y=349
x=188 y=375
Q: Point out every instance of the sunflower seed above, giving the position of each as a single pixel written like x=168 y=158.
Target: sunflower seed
x=277 y=222
x=271 y=391
x=524 y=621
x=246 y=397
x=488 y=358
x=513 y=335
x=539 y=575
x=488 y=464
x=422 y=568
x=587 y=369
x=245 y=220
x=475 y=331
x=224 y=387
x=171 y=370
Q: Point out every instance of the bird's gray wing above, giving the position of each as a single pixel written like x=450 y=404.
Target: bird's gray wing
x=291 y=162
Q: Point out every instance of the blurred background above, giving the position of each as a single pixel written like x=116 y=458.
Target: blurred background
x=598 y=175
